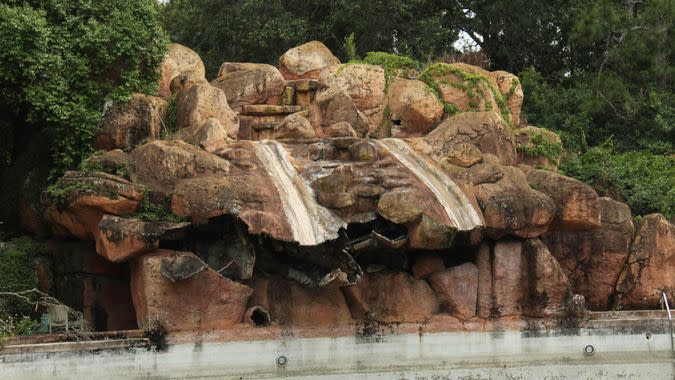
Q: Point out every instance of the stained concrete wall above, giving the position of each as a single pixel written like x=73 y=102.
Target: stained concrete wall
x=618 y=353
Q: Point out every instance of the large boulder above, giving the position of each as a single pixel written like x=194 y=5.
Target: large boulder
x=334 y=105
x=201 y=102
x=373 y=298
x=126 y=124
x=486 y=130
x=457 y=289
x=413 y=108
x=306 y=61
x=161 y=164
x=401 y=206
x=511 y=207
x=594 y=259
x=510 y=88
x=292 y=304
x=650 y=267
x=209 y=135
x=250 y=83
x=466 y=88
x=80 y=199
x=201 y=302
x=364 y=84
x=294 y=126
x=180 y=60
x=120 y=239
x=577 y=204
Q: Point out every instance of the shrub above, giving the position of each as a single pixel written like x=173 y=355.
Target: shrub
x=18 y=258
x=645 y=181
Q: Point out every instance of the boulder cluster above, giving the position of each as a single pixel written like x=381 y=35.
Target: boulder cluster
x=321 y=194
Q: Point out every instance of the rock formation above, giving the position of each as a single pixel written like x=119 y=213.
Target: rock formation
x=317 y=194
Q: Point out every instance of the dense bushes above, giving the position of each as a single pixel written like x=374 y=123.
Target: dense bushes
x=18 y=259
x=645 y=181
x=62 y=59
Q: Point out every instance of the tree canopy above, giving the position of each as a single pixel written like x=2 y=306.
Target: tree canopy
x=59 y=60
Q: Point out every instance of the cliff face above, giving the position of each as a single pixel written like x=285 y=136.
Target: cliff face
x=320 y=195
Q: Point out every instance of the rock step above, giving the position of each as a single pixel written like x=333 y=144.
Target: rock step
x=259 y=122
x=270 y=110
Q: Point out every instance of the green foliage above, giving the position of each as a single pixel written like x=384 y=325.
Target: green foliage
x=350 y=48
x=262 y=30
x=154 y=212
x=645 y=181
x=542 y=145
x=16 y=326
x=17 y=271
x=62 y=58
x=61 y=191
x=170 y=122
x=443 y=74
x=392 y=64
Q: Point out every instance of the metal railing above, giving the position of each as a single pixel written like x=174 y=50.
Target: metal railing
x=670 y=320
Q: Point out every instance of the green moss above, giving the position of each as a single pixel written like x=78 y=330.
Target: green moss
x=392 y=64
x=154 y=212
x=542 y=145
x=60 y=192
x=444 y=74
x=450 y=109
x=170 y=119
x=91 y=165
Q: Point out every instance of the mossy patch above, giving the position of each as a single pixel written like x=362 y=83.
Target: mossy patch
x=61 y=191
x=150 y=211
x=443 y=74
x=542 y=145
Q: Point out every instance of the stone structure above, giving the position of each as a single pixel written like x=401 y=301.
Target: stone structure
x=281 y=199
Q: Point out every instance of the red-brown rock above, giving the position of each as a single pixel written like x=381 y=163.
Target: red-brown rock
x=120 y=239
x=205 y=301
x=510 y=88
x=179 y=60
x=414 y=108
x=126 y=124
x=593 y=260
x=306 y=61
x=374 y=298
x=539 y=147
x=457 y=289
x=201 y=102
x=511 y=207
x=292 y=304
x=577 y=204
x=364 y=84
x=485 y=130
x=91 y=195
x=650 y=268
x=294 y=126
x=250 y=83
x=161 y=164
x=334 y=105
x=209 y=135
x=426 y=265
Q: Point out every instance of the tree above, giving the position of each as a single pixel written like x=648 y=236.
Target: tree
x=621 y=86
x=59 y=61
x=262 y=30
